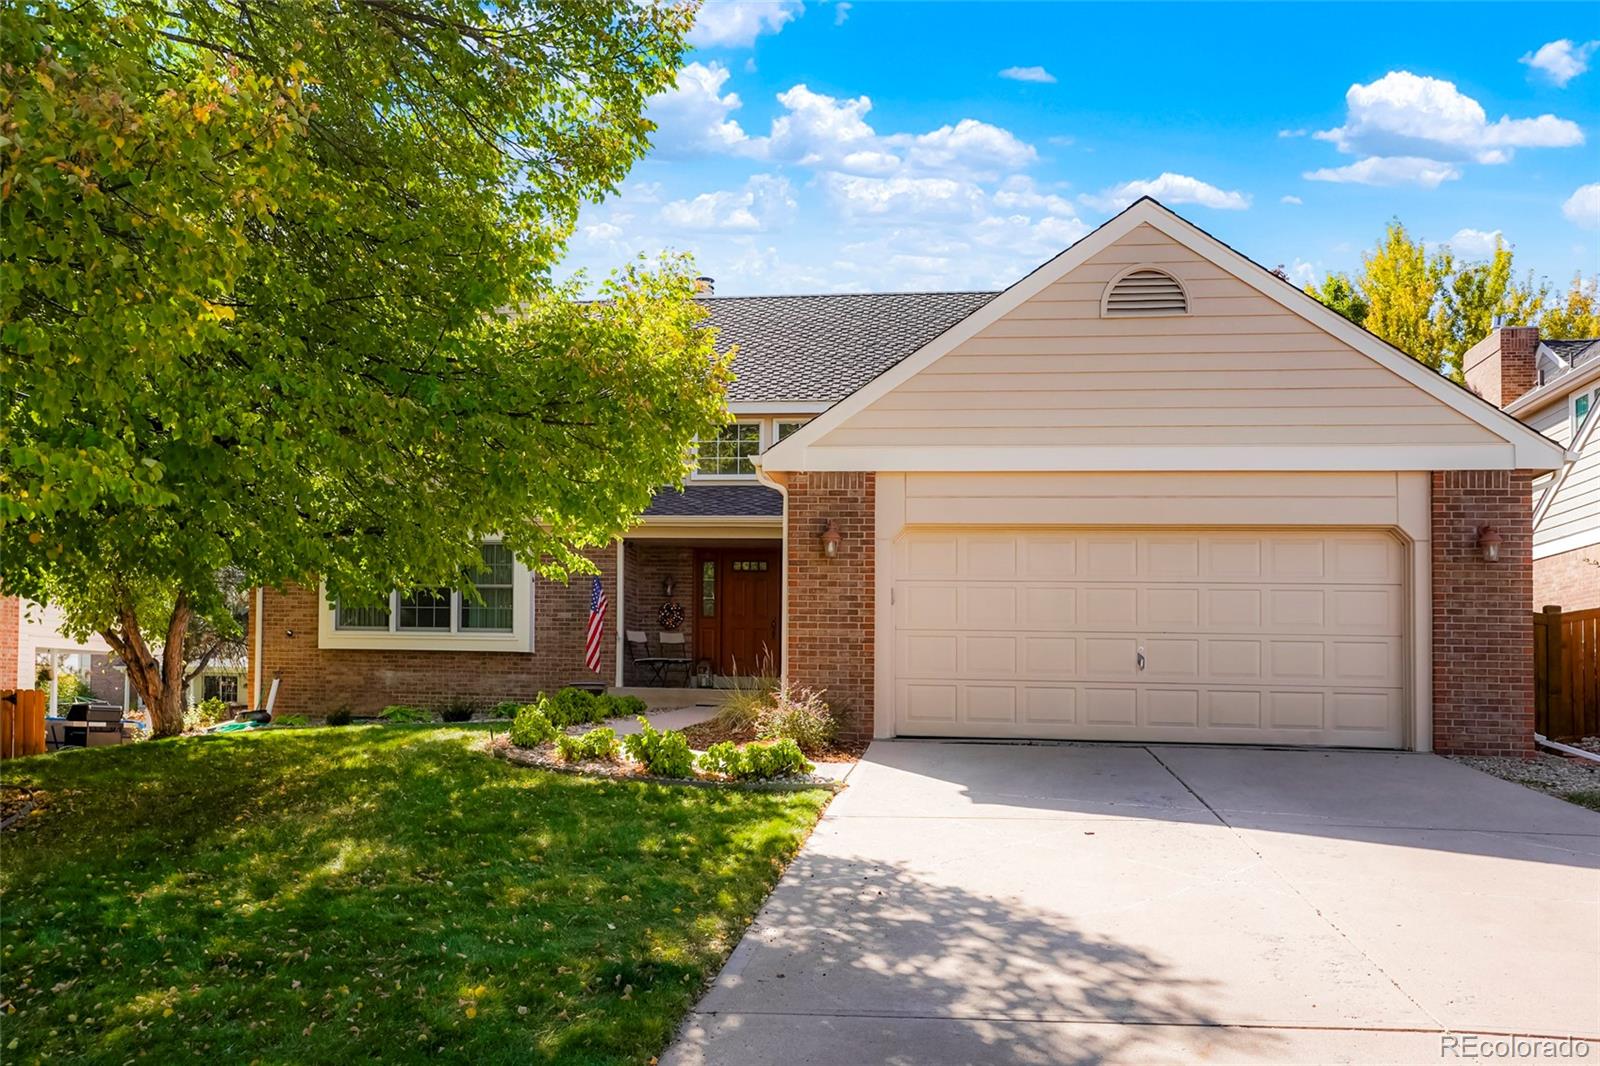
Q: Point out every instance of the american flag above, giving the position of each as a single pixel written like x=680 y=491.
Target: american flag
x=597 y=626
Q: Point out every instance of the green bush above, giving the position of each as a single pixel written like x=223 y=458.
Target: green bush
x=531 y=728
x=340 y=716
x=628 y=706
x=756 y=762
x=798 y=715
x=573 y=706
x=458 y=711
x=662 y=754
x=205 y=713
x=597 y=745
x=400 y=714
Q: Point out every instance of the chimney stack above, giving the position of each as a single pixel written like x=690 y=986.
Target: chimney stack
x=704 y=286
x=1504 y=365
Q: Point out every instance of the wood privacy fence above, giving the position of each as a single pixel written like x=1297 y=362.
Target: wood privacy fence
x=21 y=722
x=1566 y=673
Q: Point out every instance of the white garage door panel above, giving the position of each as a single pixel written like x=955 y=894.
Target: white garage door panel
x=1247 y=636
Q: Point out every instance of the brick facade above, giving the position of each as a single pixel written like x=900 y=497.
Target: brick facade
x=1504 y=365
x=1570 y=580
x=11 y=644
x=649 y=564
x=317 y=680
x=1482 y=625
x=831 y=602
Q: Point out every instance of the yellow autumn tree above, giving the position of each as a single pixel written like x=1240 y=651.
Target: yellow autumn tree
x=1578 y=315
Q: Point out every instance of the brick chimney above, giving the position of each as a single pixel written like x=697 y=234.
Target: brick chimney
x=1503 y=366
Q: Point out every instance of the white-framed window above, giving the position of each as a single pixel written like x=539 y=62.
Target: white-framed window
x=731 y=453
x=1582 y=404
x=783 y=428
x=443 y=610
x=224 y=687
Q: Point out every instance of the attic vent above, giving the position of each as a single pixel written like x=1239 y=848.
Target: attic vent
x=1145 y=292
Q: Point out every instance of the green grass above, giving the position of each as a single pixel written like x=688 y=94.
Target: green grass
x=386 y=893
x=1584 y=797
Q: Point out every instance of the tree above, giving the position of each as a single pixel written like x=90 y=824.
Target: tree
x=1431 y=306
x=276 y=302
x=1579 y=316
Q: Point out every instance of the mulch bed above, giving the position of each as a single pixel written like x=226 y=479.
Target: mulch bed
x=702 y=735
x=545 y=758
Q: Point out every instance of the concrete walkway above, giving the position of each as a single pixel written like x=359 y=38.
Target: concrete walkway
x=965 y=903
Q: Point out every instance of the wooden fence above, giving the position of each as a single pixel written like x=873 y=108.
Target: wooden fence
x=1566 y=673
x=22 y=722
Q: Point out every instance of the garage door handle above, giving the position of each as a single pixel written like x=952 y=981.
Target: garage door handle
x=1141 y=658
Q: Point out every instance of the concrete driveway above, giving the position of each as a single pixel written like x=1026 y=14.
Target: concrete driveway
x=1087 y=903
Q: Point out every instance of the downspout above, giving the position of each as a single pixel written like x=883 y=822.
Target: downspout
x=1566 y=749
x=255 y=682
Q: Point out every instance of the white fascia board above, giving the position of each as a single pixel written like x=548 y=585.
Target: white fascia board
x=778 y=408
x=1549 y=393
x=1530 y=449
x=1154 y=458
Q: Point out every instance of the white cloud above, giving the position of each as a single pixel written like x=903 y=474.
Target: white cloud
x=1582 y=208
x=969 y=147
x=765 y=201
x=1402 y=114
x=1018 y=193
x=1171 y=189
x=692 y=118
x=737 y=24
x=603 y=231
x=1039 y=75
x=1475 y=242
x=1292 y=133
x=904 y=198
x=1389 y=170
x=1290 y=199
x=1561 y=61
x=841 y=11
x=1304 y=273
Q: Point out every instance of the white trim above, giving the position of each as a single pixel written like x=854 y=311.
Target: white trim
x=518 y=639
x=1286 y=458
x=619 y=618
x=1105 y=294
x=1572 y=412
x=1528 y=450
x=1579 y=443
x=783 y=575
x=778 y=408
x=1587 y=539
x=1549 y=393
x=260 y=620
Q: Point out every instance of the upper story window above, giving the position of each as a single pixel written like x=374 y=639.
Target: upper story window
x=1582 y=404
x=731 y=452
x=443 y=610
x=782 y=429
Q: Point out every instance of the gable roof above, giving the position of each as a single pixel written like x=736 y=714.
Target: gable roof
x=1574 y=353
x=823 y=348
x=1523 y=447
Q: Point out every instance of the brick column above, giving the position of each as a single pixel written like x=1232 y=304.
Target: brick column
x=830 y=603
x=1482 y=614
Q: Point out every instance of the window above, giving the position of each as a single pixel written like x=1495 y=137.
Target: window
x=1581 y=405
x=445 y=610
x=493 y=583
x=708 y=589
x=224 y=687
x=784 y=429
x=730 y=452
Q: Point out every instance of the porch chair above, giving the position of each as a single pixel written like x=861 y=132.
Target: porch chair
x=640 y=656
x=674 y=653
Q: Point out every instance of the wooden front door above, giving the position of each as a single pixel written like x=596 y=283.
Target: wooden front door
x=741 y=598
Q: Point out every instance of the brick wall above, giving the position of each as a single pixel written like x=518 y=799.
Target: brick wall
x=830 y=602
x=1482 y=627
x=649 y=565
x=11 y=643
x=1570 y=580
x=317 y=680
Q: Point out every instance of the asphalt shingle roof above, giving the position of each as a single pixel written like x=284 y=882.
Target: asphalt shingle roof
x=823 y=348
x=707 y=501
x=1575 y=352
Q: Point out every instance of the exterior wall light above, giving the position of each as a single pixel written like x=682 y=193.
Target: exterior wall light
x=1489 y=544
x=830 y=540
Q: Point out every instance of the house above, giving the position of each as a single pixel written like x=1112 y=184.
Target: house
x=1553 y=385
x=1150 y=491
x=35 y=652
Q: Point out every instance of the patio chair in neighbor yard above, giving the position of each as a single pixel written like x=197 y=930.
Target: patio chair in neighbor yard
x=641 y=656
x=674 y=654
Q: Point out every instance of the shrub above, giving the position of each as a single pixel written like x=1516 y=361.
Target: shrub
x=662 y=754
x=573 y=706
x=740 y=711
x=628 y=706
x=458 y=711
x=205 y=713
x=798 y=714
x=506 y=709
x=531 y=728
x=400 y=714
x=756 y=762
x=340 y=716
x=597 y=745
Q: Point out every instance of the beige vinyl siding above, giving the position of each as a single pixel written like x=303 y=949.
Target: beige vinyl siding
x=1573 y=518
x=1238 y=370
x=1554 y=421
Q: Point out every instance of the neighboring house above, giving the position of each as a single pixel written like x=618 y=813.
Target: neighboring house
x=1554 y=386
x=1151 y=491
x=32 y=643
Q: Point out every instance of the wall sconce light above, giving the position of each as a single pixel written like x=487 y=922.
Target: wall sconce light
x=1489 y=544
x=667 y=587
x=830 y=540
x=289 y=633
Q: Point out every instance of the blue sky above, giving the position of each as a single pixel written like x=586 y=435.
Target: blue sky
x=880 y=145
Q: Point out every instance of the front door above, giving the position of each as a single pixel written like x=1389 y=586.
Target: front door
x=746 y=611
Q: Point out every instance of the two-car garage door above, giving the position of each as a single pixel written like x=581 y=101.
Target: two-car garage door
x=1205 y=636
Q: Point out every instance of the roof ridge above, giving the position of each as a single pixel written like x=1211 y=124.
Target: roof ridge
x=849 y=295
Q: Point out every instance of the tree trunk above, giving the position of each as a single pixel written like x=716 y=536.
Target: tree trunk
x=158 y=683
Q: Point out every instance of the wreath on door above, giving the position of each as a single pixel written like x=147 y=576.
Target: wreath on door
x=670 y=616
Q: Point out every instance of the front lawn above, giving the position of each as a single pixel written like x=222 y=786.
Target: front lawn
x=384 y=893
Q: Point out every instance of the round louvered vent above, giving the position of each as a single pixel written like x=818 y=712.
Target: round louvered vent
x=1145 y=292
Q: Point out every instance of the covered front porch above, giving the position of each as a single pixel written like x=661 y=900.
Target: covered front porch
x=700 y=588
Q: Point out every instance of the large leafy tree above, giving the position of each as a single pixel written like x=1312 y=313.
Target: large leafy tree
x=1430 y=304
x=1577 y=316
x=276 y=302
